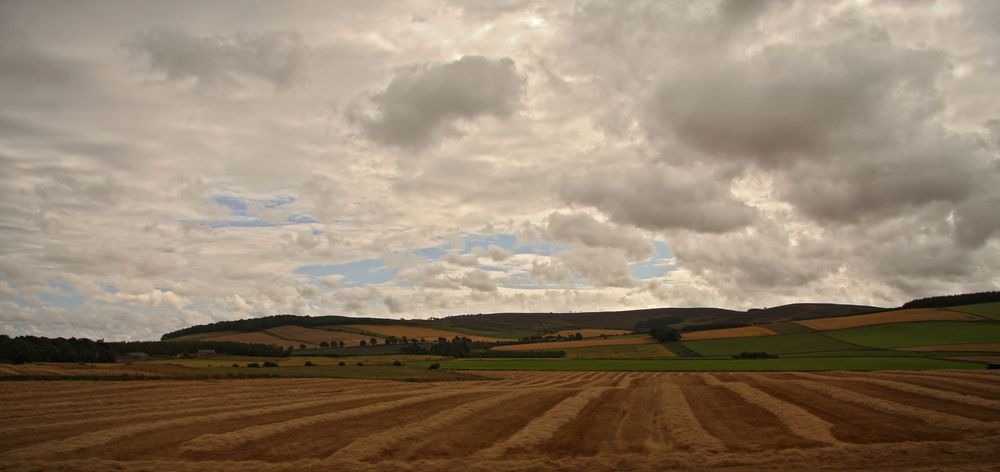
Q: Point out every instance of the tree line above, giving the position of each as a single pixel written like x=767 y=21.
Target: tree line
x=38 y=349
x=22 y=349
x=258 y=324
x=953 y=300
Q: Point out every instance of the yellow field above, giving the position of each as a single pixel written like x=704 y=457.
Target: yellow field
x=556 y=345
x=896 y=316
x=632 y=351
x=429 y=334
x=984 y=347
x=316 y=336
x=561 y=421
x=741 y=332
x=257 y=337
x=592 y=332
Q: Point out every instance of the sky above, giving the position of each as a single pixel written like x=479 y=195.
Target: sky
x=164 y=164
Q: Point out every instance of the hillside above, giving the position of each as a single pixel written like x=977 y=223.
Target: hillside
x=515 y=325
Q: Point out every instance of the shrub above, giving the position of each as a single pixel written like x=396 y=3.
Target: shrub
x=341 y=363
x=397 y=363
x=360 y=363
x=236 y=365
x=270 y=364
x=434 y=366
x=309 y=364
x=253 y=364
x=754 y=355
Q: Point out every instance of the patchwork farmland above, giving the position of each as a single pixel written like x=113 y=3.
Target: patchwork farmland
x=518 y=421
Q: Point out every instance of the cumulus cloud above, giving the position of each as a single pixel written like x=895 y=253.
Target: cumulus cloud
x=217 y=62
x=797 y=101
x=479 y=281
x=424 y=102
x=785 y=151
x=395 y=304
x=584 y=229
x=657 y=197
x=464 y=260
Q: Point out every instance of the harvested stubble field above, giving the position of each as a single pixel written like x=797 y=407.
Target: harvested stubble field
x=523 y=421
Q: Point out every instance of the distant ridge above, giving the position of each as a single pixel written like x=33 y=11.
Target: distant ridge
x=547 y=322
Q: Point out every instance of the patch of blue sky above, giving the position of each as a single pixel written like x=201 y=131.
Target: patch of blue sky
x=254 y=222
x=356 y=273
x=66 y=296
x=509 y=243
x=659 y=264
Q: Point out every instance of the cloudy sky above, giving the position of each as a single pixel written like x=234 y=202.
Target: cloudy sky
x=164 y=164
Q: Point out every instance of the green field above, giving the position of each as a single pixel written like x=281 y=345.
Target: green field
x=921 y=333
x=789 y=328
x=986 y=310
x=713 y=365
x=799 y=343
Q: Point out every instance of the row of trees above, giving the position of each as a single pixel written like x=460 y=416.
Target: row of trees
x=173 y=348
x=38 y=349
x=455 y=347
x=260 y=324
x=954 y=300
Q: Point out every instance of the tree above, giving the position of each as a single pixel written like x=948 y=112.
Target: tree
x=302 y=346
x=364 y=343
x=342 y=343
x=373 y=342
x=324 y=344
x=665 y=334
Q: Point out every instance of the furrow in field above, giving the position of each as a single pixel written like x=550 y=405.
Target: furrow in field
x=222 y=441
x=852 y=422
x=166 y=442
x=117 y=433
x=936 y=393
x=984 y=377
x=641 y=429
x=591 y=431
x=380 y=443
x=879 y=403
x=321 y=440
x=797 y=420
x=682 y=425
x=951 y=385
x=544 y=427
x=486 y=428
x=24 y=433
x=725 y=415
x=90 y=410
x=920 y=397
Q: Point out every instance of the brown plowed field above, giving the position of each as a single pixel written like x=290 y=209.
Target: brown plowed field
x=896 y=316
x=520 y=421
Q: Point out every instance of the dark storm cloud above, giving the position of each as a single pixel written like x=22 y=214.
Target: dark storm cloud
x=423 y=102
x=278 y=58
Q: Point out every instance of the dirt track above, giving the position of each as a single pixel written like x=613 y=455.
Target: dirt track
x=525 y=421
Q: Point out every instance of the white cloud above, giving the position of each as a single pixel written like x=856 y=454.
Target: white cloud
x=424 y=102
x=784 y=151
